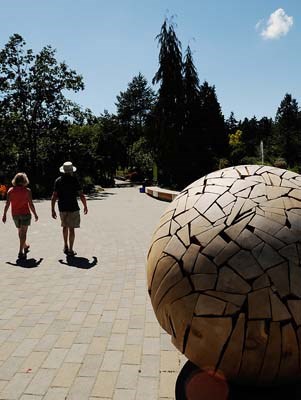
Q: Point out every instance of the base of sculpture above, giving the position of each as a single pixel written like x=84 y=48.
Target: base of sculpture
x=196 y=384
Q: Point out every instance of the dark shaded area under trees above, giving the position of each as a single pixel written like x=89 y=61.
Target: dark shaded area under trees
x=179 y=128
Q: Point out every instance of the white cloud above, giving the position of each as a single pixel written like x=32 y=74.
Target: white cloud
x=259 y=24
x=278 y=24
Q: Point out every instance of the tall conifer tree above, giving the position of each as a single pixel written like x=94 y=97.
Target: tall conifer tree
x=192 y=143
x=288 y=129
x=231 y=124
x=169 y=111
x=134 y=107
x=213 y=126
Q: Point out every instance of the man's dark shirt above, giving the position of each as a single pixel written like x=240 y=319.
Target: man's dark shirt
x=67 y=188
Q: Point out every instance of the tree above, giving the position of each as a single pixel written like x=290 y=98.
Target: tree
x=237 y=147
x=169 y=110
x=143 y=158
x=250 y=136
x=213 y=128
x=231 y=124
x=192 y=143
x=133 y=110
x=288 y=140
x=109 y=150
x=32 y=103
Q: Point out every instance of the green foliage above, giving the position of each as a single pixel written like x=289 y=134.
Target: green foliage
x=181 y=129
x=280 y=163
x=134 y=107
x=235 y=139
x=135 y=104
x=33 y=109
x=142 y=157
x=110 y=151
x=288 y=132
x=192 y=140
x=213 y=124
x=169 y=110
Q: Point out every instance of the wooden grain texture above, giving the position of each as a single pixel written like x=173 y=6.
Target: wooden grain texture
x=224 y=273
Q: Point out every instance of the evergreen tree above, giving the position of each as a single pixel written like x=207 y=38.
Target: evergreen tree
x=288 y=137
x=169 y=110
x=133 y=110
x=135 y=104
x=192 y=140
x=213 y=128
x=265 y=131
x=246 y=150
x=231 y=124
x=250 y=137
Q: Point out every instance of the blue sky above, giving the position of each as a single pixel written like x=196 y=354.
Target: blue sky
x=251 y=64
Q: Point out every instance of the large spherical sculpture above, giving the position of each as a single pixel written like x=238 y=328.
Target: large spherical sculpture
x=224 y=273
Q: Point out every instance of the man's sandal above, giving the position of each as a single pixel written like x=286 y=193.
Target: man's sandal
x=21 y=256
x=26 y=249
x=71 y=253
x=66 y=250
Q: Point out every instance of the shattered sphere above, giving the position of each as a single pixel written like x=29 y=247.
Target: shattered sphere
x=224 y=273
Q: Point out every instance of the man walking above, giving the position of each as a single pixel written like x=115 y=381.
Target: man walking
x=66 y=190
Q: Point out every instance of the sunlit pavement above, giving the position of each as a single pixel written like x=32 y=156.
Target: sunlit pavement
x=83 y=328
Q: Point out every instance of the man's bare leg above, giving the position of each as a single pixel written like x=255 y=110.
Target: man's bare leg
x=71 y=238
x=65 y=236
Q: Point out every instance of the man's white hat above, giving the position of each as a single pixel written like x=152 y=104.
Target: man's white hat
x=67 y=167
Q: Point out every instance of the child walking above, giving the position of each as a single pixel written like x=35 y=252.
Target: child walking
x=20 y=198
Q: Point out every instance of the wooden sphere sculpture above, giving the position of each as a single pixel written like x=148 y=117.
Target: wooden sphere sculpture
x=224 y=273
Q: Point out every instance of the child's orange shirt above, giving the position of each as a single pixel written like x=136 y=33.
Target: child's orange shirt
x=19 y=200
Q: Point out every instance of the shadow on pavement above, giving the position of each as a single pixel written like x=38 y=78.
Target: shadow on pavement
x=79 y=262
x=99 y=196
x=196 y=384
x=27 y=263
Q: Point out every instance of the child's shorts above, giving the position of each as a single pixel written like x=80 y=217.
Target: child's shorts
x=70 y=219
x=22 y=220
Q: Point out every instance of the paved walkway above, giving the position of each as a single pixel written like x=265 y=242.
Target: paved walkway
x=84 y=331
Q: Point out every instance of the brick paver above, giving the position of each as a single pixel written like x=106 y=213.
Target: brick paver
x=87 y=330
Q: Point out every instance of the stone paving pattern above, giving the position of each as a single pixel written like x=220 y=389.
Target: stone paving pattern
x=71 y=333
x=224 y=273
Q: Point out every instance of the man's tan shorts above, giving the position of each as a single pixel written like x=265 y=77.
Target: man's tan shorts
x=70 y=219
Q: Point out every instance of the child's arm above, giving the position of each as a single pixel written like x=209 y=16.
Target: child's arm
x=31 y=205
x=83 y=200
x=54 y=198
x=6 y=207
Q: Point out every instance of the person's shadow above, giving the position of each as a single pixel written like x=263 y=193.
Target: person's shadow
x=26 y=262
x=79 y=262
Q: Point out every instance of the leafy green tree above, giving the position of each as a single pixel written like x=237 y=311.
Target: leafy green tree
x=169 y=110
x=110 y=151
x=142 y=157
x=237 y=147
x=81 y=146
x=32 y=101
